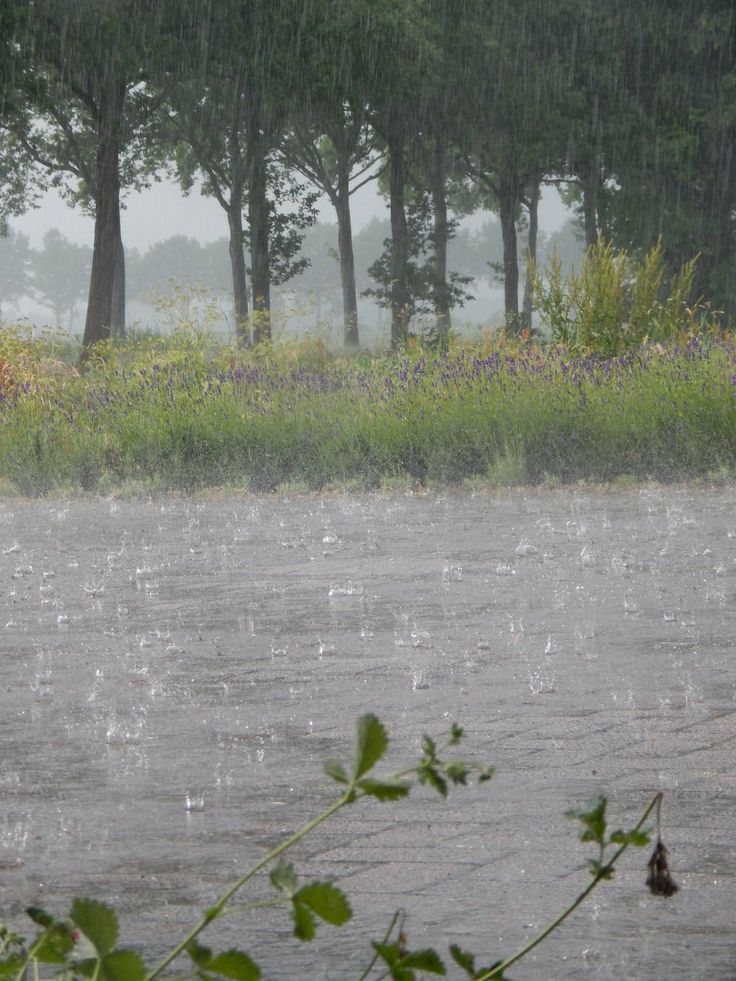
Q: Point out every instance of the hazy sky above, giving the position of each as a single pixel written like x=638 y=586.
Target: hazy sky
x=162 y=211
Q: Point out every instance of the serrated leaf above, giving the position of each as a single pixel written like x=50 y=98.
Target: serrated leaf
x=305 y=925
x=11 y=965
x=432 y=777
x=384 y=789
x=389 y=953
x=456 y=734
x=235 y=964
x=336 y=770
x=99 y=923
x=593 y=820
x=40 y=916
x=327 y=901
x=283 y=877
x=457 y=772
x=122 y=965
x=370 y=745
x=424 y=960
x=87 y=967
x=200 y=954
x=55 y=944
x=463 y=959
x=639 y=839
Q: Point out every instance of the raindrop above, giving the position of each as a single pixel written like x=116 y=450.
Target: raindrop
x=587 y=558
x=194 y=802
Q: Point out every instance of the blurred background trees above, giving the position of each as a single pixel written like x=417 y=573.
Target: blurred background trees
x=454 y=106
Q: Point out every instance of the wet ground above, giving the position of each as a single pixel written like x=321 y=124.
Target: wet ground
x=173 y=675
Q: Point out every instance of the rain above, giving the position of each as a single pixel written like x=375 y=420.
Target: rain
x=412 y=395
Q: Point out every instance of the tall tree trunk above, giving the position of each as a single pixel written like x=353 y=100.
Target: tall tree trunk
x=237 y=268
x=531 y=254
x=440 y=236
x=345 y=248
x=105 y=256
x=590 y=206
x=508 y=205
x=592 y=180
x=117 y=320
x=258 y=209
x=400 y=299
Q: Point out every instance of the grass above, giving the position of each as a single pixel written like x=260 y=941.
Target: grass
x=180 y=413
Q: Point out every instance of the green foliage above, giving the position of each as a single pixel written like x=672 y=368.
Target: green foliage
x=181 y=412
x=615 y=303
x=84 y=944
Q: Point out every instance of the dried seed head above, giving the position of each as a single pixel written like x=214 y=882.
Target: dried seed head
x=659 y=880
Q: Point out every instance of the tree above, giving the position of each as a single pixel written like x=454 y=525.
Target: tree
x=510 y=126
x=224 y=122
x=15 y=267
x=60 y=275
x=677 y=177
x=76 y=112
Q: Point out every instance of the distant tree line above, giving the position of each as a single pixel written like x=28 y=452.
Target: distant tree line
x=56 y=276
x=451 y=104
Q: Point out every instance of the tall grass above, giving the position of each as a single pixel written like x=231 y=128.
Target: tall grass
x=183 y=414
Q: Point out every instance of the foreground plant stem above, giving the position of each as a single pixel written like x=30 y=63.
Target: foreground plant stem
x=214 y=911
x=602 y=873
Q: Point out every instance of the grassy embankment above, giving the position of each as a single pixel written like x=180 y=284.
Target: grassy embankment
x=176 y=413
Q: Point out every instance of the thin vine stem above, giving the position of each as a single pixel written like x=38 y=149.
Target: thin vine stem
x=214 y=911
x=398 y=914
x=497 y=971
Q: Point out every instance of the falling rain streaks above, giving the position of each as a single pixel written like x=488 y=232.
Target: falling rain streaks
x=206 y=671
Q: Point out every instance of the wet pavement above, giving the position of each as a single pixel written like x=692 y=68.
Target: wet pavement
x=174 y=673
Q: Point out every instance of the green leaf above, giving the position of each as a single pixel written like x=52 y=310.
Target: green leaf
x=486 y=774
x=87 y=967
x=200 y=954
x=384 y=789
x=593 y=820
x=327 y=901
x=97 y=922
x=40 y=916
x=389 y=953
x=424 y=960
x=639 y=839
x=305 y=925
x=55 y=945
x=601 y=870
x=11 y=965
x=457 y=771
x=284 y=878
x=456 y=734
x=371 y=744
x=122 y=965
x=235 y=964
x=336 y=770
x=462 y=958
x=429 y=747
x=431 y=776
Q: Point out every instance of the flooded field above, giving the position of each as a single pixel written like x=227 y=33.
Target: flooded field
x=174 y=673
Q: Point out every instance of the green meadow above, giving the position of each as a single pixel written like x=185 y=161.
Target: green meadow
x=184 y=413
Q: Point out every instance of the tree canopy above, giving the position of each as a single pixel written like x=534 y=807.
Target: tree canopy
x=459 y=103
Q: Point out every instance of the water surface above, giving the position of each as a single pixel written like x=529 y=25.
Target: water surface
x=174 y=673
